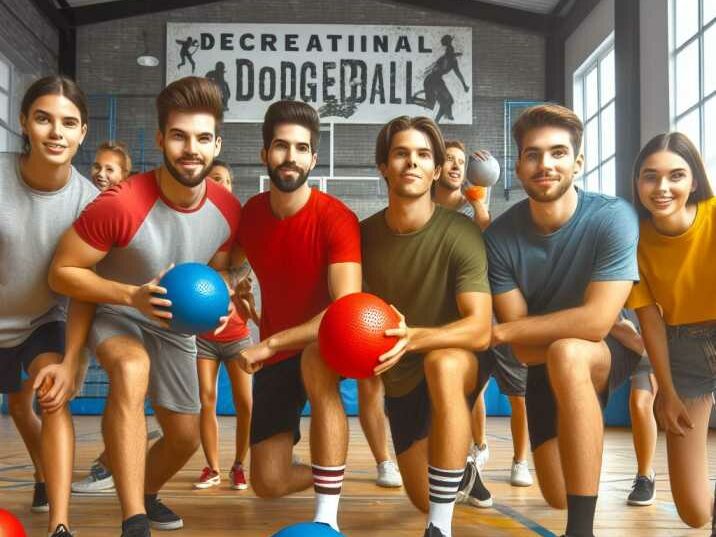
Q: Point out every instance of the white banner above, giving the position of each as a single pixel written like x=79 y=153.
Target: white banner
x=351 y=74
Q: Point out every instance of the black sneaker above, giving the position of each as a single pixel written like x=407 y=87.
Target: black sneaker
x=39 y=499
x=432 y=531
x=136 y=526
x=160 y=516
x=468 y=478
x=61 y=531
x=479 y=495
x=643 y=490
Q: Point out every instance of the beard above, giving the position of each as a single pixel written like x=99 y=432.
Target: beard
x=553 y=194
x=288 y=185
x=188 y=180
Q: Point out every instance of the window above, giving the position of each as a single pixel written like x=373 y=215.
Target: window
x=692 y=38
x=594 y=92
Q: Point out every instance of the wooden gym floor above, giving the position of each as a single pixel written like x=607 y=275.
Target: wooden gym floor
x=366 y=510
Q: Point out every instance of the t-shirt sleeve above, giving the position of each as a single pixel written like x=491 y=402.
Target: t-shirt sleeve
x=615 y=257
x=640 y=295
x=105 y=222
x=343 y=237
x=469 y=260
x=500 y=270
x=231 y=210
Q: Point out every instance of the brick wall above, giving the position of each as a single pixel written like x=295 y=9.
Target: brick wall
x=508 y=63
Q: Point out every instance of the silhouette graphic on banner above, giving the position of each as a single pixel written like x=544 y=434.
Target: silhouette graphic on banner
x=188 y=47
x=217 y=75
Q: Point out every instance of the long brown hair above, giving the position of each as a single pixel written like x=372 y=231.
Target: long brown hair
x=52 y=85
x=679 y=144
x=403 y=123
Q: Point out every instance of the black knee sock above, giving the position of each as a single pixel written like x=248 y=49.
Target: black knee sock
x=149 y=498
x=580 y=515
x=713 y=516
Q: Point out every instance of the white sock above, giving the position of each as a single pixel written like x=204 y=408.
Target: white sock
x=443 y=486
x=327 y=484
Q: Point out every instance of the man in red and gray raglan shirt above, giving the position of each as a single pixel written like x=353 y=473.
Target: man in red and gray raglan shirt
x=131 y=233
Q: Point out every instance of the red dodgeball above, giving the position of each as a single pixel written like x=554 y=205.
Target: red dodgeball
x=352 y=334
x=10 y=526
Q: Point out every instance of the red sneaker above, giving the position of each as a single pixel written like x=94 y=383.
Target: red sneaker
x=238 y=478
x=208 y=478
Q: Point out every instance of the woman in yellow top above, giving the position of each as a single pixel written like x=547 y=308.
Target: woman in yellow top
x=676 y=304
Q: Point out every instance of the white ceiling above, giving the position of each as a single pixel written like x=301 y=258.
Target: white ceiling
x=535 y=6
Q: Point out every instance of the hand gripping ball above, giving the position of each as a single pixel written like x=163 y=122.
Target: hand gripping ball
x=483 y=172
x=352 y=334
x=308 y=529
x=10 y=526
x=199 y=297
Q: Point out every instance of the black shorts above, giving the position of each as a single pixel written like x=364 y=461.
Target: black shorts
x=279 y=398
x=541 y=405
x=409 y=416
x=49 y=337
x=511 y=375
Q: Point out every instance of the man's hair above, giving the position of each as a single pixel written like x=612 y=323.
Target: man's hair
x=403 y=123
x=681 y=145
x=190 y=94
x=120 y=149
x=456 y=144
x=292 y=113
x=224 y=165
x=53 y=85
x=548 y=115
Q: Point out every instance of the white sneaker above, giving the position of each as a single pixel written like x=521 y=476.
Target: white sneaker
x=520 y=474
x=480 y=455
x=99 y=480
x=388 y=475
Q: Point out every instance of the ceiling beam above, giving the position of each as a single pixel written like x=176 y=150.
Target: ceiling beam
x=474 y=9
x=58 y=19
x=121 y=9
x=575 y=16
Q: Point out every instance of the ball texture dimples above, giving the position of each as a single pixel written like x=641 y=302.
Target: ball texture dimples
x=483 y=172
x=199 y=297
x=352 y=334
x=308 y=529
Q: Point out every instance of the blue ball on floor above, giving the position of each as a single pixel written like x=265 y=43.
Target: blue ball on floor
x=308 y=529
x=199 y=297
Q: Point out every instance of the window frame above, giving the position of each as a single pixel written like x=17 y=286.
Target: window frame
x=580 y=88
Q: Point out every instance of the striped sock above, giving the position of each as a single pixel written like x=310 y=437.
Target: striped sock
x=327 y=483
x=443 y=489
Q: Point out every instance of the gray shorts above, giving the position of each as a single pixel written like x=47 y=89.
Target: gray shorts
x=499 y=362
x=221 y=350
x=173 y=379
x=641 y=377
x=692 y=356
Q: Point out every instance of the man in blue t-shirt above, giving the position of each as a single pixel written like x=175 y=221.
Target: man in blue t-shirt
x=561 y=265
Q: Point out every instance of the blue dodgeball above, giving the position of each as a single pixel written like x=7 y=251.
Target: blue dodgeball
x=199 y=297
x=308 y=529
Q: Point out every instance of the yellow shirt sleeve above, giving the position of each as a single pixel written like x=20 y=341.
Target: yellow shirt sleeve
x=640 y=295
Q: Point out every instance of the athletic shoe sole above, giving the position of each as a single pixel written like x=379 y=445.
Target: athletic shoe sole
x=40 y=508
x=214 y=482
x=239 y=487
x=167 y=526
x=642 y=503
x=480 y=504
x=518 y=483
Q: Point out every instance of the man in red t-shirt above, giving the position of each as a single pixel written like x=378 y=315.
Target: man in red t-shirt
x=304 y=247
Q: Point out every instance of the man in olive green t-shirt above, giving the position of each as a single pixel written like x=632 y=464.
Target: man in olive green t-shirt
x=430 y=263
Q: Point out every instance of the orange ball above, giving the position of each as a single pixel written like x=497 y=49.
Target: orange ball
x=10 y=526
x=352 y=334
x=476 y=193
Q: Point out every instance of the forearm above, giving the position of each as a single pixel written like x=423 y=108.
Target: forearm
x=657 y=347
x=85 y=285
x=296 y=337
x=466 y=333
x=530 y=355
x=543 y=330
x=79 y=320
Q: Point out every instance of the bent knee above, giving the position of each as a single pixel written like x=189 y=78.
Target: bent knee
x=556 y=501
x=265 y=486
x=694 y=518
